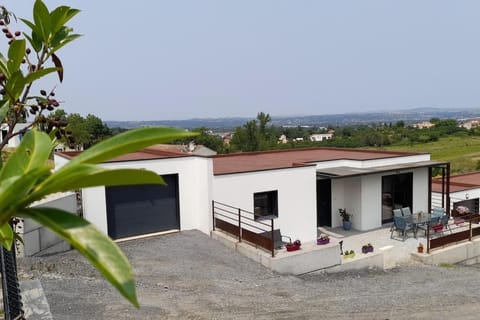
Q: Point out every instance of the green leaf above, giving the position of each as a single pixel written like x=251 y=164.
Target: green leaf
x=38 y=74
x=4 y=107
x=60 y=16
x=66 y=41
x=33 y=152
x=31 y=25
x=59 y=36
x=41 y=17
x=4 y=66
x=36 y=44
x=88 y=175
x=16 y=53
x=6 y=236
x=128 y=141
x=102 y=252
x=15 y=85
x=14 y=190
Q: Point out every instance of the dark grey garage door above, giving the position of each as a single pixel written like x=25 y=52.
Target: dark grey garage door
x=142 y=209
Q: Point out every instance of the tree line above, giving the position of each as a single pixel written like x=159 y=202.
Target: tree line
x=259 y=135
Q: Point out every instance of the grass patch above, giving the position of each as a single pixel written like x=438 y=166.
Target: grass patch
x=463 y=153
x=447 y=265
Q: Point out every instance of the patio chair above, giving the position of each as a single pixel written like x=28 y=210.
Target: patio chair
x=278 y=238
x=444 y=221
x=406 y=211
x=433 y=221
x=397 y=213
x=438 y=212
x=401 y=226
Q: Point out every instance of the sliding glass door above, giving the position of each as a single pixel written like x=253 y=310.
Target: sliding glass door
x=396 y=193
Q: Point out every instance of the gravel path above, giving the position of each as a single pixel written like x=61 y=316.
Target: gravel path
x=189 y=276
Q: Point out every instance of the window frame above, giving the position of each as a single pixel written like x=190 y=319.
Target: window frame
x=270 y=202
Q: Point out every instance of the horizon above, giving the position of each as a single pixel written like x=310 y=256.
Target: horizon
x=412 y=110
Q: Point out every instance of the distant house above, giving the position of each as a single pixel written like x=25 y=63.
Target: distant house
x=283 y=139
x=321 y=136
x=301 y=189
x=469 y=124
x=423 y=125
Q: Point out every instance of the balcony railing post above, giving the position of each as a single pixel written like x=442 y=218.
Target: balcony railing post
x=470 y=234
x=213 y=215
x=273 y=239
x=428 y=236
x=239 y=225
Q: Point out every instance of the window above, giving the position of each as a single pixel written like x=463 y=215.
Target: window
x=265 y=204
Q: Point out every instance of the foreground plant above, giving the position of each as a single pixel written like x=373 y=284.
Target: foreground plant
x=27 y=177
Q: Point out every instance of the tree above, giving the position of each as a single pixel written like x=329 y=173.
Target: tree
x=26 y=176
x=254 y=135
x=77 y=129
x=97 y=130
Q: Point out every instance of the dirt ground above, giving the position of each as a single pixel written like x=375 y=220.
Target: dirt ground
x=190 y=276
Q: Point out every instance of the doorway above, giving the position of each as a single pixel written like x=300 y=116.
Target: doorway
x=324 y=203
x=397 y=192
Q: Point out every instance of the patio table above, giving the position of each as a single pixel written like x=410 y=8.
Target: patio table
x=418 y=219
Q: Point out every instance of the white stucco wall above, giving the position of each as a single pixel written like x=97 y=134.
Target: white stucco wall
x=194 y=188
x=297 y=208
x=420 y=190
x=362 y=196
x=374 y=162
x=59 y=161
x=473 y=193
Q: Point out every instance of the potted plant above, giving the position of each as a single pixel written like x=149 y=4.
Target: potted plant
x=420 y=248
x=293 y=246
x=324 y=239
x=349 y=254
x=347 y=224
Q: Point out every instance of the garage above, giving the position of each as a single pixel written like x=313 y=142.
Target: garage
x=142 y=209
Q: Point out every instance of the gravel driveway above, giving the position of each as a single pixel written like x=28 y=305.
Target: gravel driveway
x=189 y=276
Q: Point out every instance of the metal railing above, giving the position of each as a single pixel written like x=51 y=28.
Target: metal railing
x=12 y=299
x=244 y=225
x=463 y=229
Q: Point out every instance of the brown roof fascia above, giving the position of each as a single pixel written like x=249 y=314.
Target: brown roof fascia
x=293 y=166
x=397 y=153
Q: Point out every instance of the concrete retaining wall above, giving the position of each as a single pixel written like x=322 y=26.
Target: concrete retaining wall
x=38 y=240
x=310 y=258
x=467 y=252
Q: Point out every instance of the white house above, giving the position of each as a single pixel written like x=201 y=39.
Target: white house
x=318 y=137
x=300 y=189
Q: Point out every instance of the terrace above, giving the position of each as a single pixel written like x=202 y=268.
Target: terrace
x=456 y=243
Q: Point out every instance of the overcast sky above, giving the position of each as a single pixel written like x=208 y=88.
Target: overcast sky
x=166 y=60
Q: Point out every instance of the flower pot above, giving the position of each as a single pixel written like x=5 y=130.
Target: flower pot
x=292 y=246
x=323 y=241
x=347 y=225
x=420 y=249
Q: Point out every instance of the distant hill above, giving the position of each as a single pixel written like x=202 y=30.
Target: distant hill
x=409 y=116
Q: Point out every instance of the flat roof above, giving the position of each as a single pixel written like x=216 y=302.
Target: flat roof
x=280 y=159
x=342 y=172
x=160 y=151
x=461 y=182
